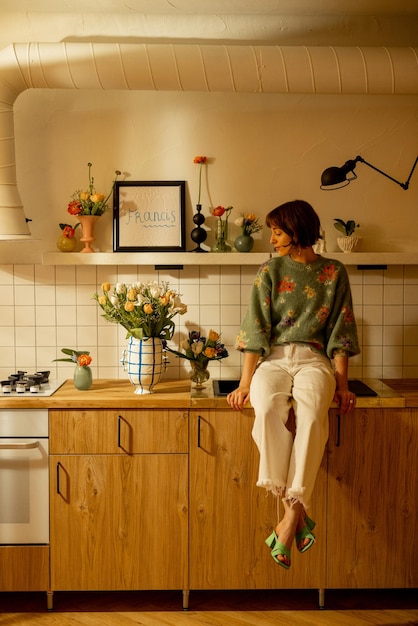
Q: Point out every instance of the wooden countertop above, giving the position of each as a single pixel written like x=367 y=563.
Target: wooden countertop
x=406 y=387
x=115 y=394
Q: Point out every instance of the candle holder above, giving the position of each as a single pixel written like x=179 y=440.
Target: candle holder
x=198 y=234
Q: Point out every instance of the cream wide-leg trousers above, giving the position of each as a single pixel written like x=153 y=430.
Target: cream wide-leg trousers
x=295 y=376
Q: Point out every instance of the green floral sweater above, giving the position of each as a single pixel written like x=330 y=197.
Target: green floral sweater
x=296 y=303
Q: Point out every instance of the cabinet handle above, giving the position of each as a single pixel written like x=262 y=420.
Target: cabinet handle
x=198 y=431
x=338 y=438
x=20 y=446
x=119 y=423
x=58 y=478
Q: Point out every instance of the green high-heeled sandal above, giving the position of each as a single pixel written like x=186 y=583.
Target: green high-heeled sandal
x=305 y=533
x=281 y=550
x=278 y=549
x=271 y=540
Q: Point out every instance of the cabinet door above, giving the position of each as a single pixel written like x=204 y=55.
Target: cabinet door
x=119 y=522
x=92 y=431
x=373 y=499
x=230 y=517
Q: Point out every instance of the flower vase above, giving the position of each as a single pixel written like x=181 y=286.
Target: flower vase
x=244 y=243
x=199 y=373
x=66 y=244
x=143 y=360
x=221 y=244
x=88 y=223
x=83 y=377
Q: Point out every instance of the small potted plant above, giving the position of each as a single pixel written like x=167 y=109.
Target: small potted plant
x=349 y=241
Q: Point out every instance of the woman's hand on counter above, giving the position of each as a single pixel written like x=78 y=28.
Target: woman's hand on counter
x=346 y=400
x=237 y=398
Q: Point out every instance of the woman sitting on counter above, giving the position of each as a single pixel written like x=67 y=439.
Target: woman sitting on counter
x=297 y=336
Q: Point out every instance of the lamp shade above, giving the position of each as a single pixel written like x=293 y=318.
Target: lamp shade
x=13 y=224
x=336 y=177
x=333 y=176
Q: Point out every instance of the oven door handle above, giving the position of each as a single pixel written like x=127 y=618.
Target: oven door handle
x=28 y=445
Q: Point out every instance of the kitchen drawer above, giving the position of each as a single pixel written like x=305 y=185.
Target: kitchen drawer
x=127 y=431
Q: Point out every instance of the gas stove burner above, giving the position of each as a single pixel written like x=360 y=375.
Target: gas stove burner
x=22 y=382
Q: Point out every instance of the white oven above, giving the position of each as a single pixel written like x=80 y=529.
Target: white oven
x=24 y=477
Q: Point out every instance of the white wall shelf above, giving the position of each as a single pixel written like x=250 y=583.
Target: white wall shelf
x=155 y=258
x=215 y=258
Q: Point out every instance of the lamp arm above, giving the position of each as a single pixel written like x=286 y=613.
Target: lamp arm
x=404 y=185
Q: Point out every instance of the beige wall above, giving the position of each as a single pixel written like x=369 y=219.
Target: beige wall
x=264 y=149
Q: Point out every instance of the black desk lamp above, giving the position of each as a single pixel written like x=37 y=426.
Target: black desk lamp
x=337 y=177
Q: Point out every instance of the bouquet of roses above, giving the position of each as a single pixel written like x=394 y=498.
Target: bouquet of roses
x=248 y=224
x=143 y=309
x=202 y=349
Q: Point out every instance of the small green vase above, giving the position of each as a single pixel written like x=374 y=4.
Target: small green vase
x=83 y=377
x=244 y=243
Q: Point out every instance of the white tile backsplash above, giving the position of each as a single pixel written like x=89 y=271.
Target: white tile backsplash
x=45 y=308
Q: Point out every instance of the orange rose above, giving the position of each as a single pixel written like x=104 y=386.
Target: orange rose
x=68 y=231
x=129 y=307
x=105 y=286
x=209 y=352
x=84 y=360
x=200 y=159
x=213 y=336
x=218 y=211
x=131 y=295
x=147 y=308
x=74 y=208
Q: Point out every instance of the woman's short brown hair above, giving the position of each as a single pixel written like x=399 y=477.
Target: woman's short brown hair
x=298 y=220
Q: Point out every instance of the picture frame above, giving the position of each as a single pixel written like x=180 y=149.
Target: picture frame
x=149 y=216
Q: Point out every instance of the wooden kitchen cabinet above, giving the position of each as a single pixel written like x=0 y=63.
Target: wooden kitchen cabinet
x=119 y=499
x=373 y=499
x=230 y=516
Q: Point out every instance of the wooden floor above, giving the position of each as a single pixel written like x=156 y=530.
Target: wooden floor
x=228 y=608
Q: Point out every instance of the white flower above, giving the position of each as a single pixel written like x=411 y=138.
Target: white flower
x=197 y=347
x=155 y=290
x=177 y=306
x=114 y=300
x=185 y=345
x=120 y=287
x=239 y=222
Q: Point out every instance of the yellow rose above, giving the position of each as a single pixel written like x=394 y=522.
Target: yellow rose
x=105 y=286
x=131 y=294
x=102 y=300
x=97 y=197
x=129 y=307
x=213 y=336
x=164 y=300
x=84 y=195
x=147 y=308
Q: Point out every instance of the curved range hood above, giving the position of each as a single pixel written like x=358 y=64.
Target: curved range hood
x=186 y=67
